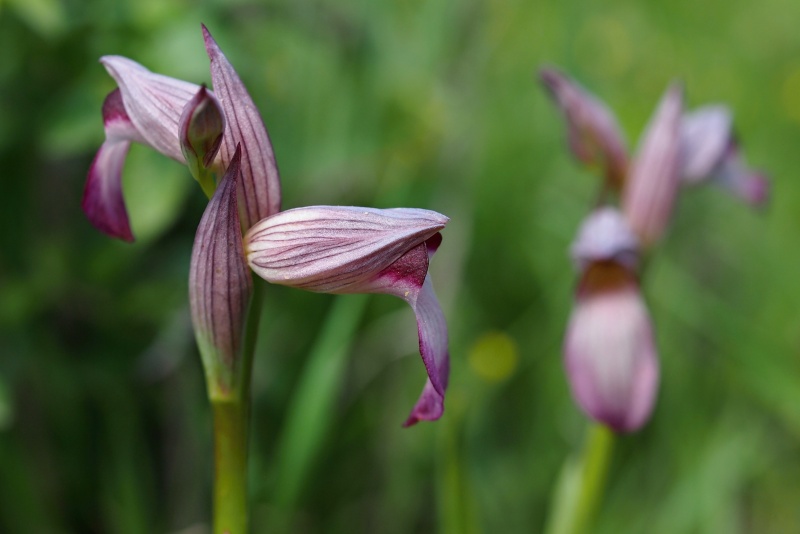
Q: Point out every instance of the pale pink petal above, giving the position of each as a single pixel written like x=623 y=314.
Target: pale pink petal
x=330 y=248
x=260 y=188
x=705 y=135
x=153 y=102
x=651 y=188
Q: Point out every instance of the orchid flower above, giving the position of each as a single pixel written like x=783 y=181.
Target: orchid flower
x=147 y=108
x=609 y=351
x=329 y=249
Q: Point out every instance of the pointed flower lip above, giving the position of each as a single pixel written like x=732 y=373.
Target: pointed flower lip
x=344 y=249
x=259 y=189
x=220 y=286
x=332 y=248
x=605 y=236
x=595 y=137
x=609 y=350
x=652 y=186
x=153 y=102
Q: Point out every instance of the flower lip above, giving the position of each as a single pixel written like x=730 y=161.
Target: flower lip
x=609 y=350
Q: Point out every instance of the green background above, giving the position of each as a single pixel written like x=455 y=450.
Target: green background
x=104 y=425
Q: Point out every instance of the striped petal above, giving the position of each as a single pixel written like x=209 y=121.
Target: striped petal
x=260 y=188
x=153 y=102
x=705 y=135
x=220 y=286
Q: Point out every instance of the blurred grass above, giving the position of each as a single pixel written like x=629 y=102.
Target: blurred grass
x=103 y=422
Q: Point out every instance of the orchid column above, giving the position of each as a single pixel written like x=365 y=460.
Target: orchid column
x=333 y=249
x=609 y=349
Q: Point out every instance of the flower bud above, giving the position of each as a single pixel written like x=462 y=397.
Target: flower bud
x=200 y=131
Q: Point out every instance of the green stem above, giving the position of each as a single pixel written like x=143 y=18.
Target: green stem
x=581 y=484
x=231 y=433
x=230 y=466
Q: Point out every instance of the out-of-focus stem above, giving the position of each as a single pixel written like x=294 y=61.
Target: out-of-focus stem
x=581 y=484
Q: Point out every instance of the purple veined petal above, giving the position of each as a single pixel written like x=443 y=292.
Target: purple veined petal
x=330 y=249
x=220 y=286
x=705 y=135
x=260 y=188
x=609 y=351
x=153 y=102
x=652 y=186
x=102 y=201
x=594 y=135
x=605 y=235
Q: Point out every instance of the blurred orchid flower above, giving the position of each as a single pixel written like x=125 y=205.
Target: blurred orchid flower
x=594 y=135
x=148 y=108
x=653 y=183
x=336 y=249
x=609 y=352
x=711 y=153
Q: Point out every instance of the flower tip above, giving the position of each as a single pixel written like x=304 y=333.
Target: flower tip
x=756 y=190
x=429 y=407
